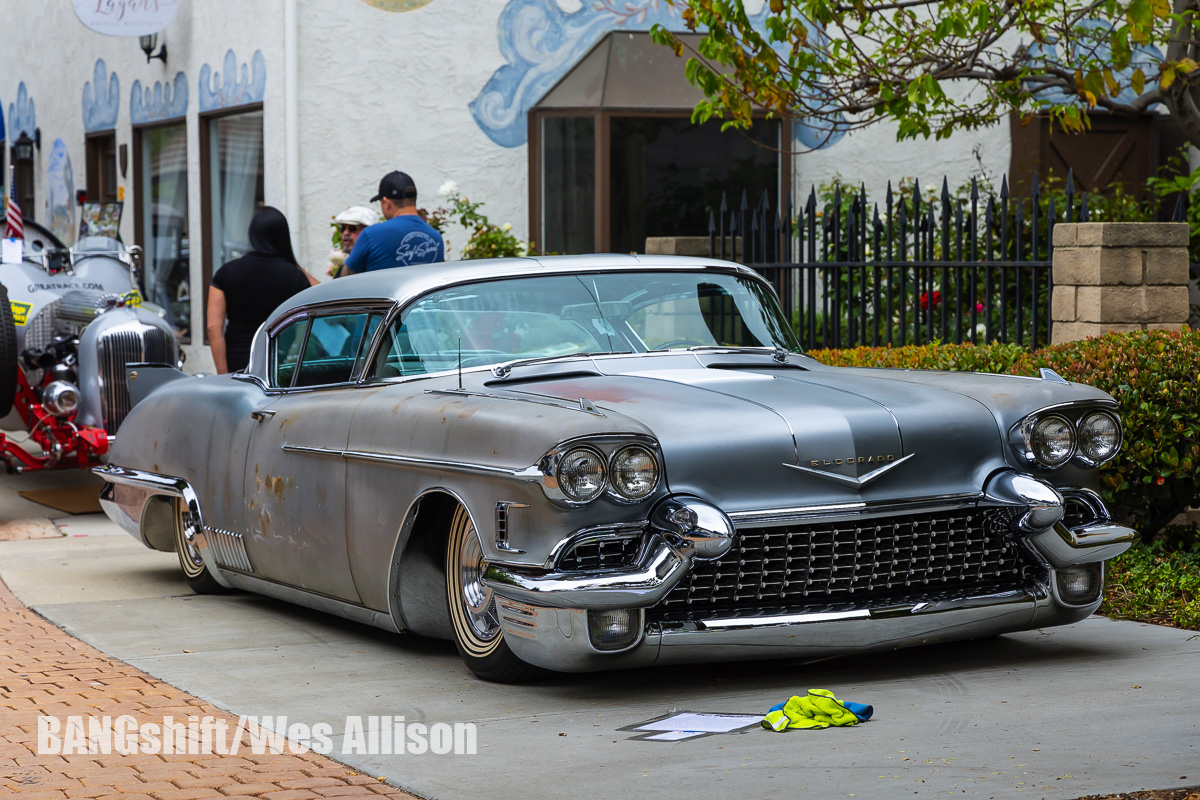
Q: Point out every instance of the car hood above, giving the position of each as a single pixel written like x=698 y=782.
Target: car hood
x=753 y=438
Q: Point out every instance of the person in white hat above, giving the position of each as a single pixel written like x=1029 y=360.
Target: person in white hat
x=351 y=222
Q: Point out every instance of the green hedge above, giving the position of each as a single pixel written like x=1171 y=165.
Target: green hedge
x=1150 y=583
x=1154 y=375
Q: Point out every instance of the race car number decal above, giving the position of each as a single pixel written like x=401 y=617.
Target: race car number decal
x=20 y=311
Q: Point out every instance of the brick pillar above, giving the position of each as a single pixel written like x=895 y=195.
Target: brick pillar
x=1119 y=276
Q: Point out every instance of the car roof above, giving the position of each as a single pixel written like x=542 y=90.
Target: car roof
x=405 y=283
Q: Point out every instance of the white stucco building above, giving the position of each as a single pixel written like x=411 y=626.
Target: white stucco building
x=558 y=114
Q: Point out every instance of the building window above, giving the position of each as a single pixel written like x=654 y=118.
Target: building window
x=568 y=185
x=668 y=175
x=160 y=154
x=615 y=158
x=101 y=152
x=231 y=172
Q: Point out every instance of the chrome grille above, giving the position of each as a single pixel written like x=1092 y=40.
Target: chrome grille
x=123 y=345
x=606 y=553
x=858 y=562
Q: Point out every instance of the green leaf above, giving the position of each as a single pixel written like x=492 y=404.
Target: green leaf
x=1138 y=81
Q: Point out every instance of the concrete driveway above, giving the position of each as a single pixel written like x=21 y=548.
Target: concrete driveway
x=1096 y=707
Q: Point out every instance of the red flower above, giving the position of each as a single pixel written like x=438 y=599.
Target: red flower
x=1160 y=481
x=937 y=300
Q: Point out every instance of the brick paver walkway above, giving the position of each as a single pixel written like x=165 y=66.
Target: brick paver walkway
x=45 y=671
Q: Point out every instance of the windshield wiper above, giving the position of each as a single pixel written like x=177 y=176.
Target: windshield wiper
x=503 y=370
x=777 y=353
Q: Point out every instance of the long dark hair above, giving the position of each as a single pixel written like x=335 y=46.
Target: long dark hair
x=270 y=235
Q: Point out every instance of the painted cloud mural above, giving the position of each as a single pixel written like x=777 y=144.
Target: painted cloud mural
x=540 y=43
x=101 y=99
x=161 y=102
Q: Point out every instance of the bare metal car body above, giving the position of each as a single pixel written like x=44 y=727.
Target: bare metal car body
x=797 y=509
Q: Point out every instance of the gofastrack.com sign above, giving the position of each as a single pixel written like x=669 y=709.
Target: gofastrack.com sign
x=126 y=17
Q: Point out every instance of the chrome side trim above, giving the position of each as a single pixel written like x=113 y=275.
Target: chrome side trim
x=391 y=458
x=230 y=549
x=318 y=602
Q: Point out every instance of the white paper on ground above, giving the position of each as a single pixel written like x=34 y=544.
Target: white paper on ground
x=11 y=253
x=702 y=723
x=672 y=736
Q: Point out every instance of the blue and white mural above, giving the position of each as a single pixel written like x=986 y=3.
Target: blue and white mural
x=60 y=193
x=160 y=103
x=227 y=89
x=101 y=99
x=541 y=42
x=22 y=116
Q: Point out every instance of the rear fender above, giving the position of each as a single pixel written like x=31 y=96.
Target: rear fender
x=145 y=377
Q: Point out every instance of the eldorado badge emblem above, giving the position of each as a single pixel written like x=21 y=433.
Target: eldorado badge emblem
x=863 y=480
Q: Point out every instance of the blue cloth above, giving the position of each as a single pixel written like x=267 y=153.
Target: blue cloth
x=403 y=240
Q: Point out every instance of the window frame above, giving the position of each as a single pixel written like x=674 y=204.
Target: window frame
x=206 y=220
x=139 y=226
x=385 y=310
x=96 y=160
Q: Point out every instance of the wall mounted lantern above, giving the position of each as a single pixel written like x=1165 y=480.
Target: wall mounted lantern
x=148 y=43
x=23 y=147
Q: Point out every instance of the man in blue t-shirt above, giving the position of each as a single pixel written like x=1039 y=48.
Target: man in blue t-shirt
x=404 y=239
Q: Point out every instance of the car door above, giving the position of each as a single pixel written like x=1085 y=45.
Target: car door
x=294 y=501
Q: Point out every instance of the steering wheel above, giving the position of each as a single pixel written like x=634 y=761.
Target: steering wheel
x=679 y=343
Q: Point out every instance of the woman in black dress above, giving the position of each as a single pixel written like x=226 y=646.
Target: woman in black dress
x=246 y=290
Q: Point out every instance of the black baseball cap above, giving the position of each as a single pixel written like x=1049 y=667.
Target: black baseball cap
x=396 y=185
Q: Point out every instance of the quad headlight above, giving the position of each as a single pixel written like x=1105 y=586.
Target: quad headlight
x=634 y=472
x=577 y=472
x=1099 y=436
x=1050 y=440
x=582 y=474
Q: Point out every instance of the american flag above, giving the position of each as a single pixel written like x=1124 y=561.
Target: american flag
x=14 y=226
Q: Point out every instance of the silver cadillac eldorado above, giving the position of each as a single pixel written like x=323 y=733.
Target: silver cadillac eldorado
x=596 y=462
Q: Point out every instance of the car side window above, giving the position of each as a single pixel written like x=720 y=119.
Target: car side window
x=395 y=357
x=331 y=349
x=285 y=352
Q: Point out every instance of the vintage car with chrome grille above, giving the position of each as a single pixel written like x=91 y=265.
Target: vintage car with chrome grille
x=594 y=462
x=71 y=318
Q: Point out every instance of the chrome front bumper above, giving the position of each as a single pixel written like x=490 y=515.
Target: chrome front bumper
x=544 y=614
x=557 y=638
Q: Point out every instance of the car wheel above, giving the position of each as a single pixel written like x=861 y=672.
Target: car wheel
x=473 y=614
x=197 y=574
x=8 y=354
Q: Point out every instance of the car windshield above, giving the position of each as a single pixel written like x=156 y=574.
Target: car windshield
x=540 y=317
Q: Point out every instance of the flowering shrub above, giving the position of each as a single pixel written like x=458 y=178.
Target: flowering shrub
x=1154 y=375
x=487 y=239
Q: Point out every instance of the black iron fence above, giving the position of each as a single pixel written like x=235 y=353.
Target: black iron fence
x=968 y=268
